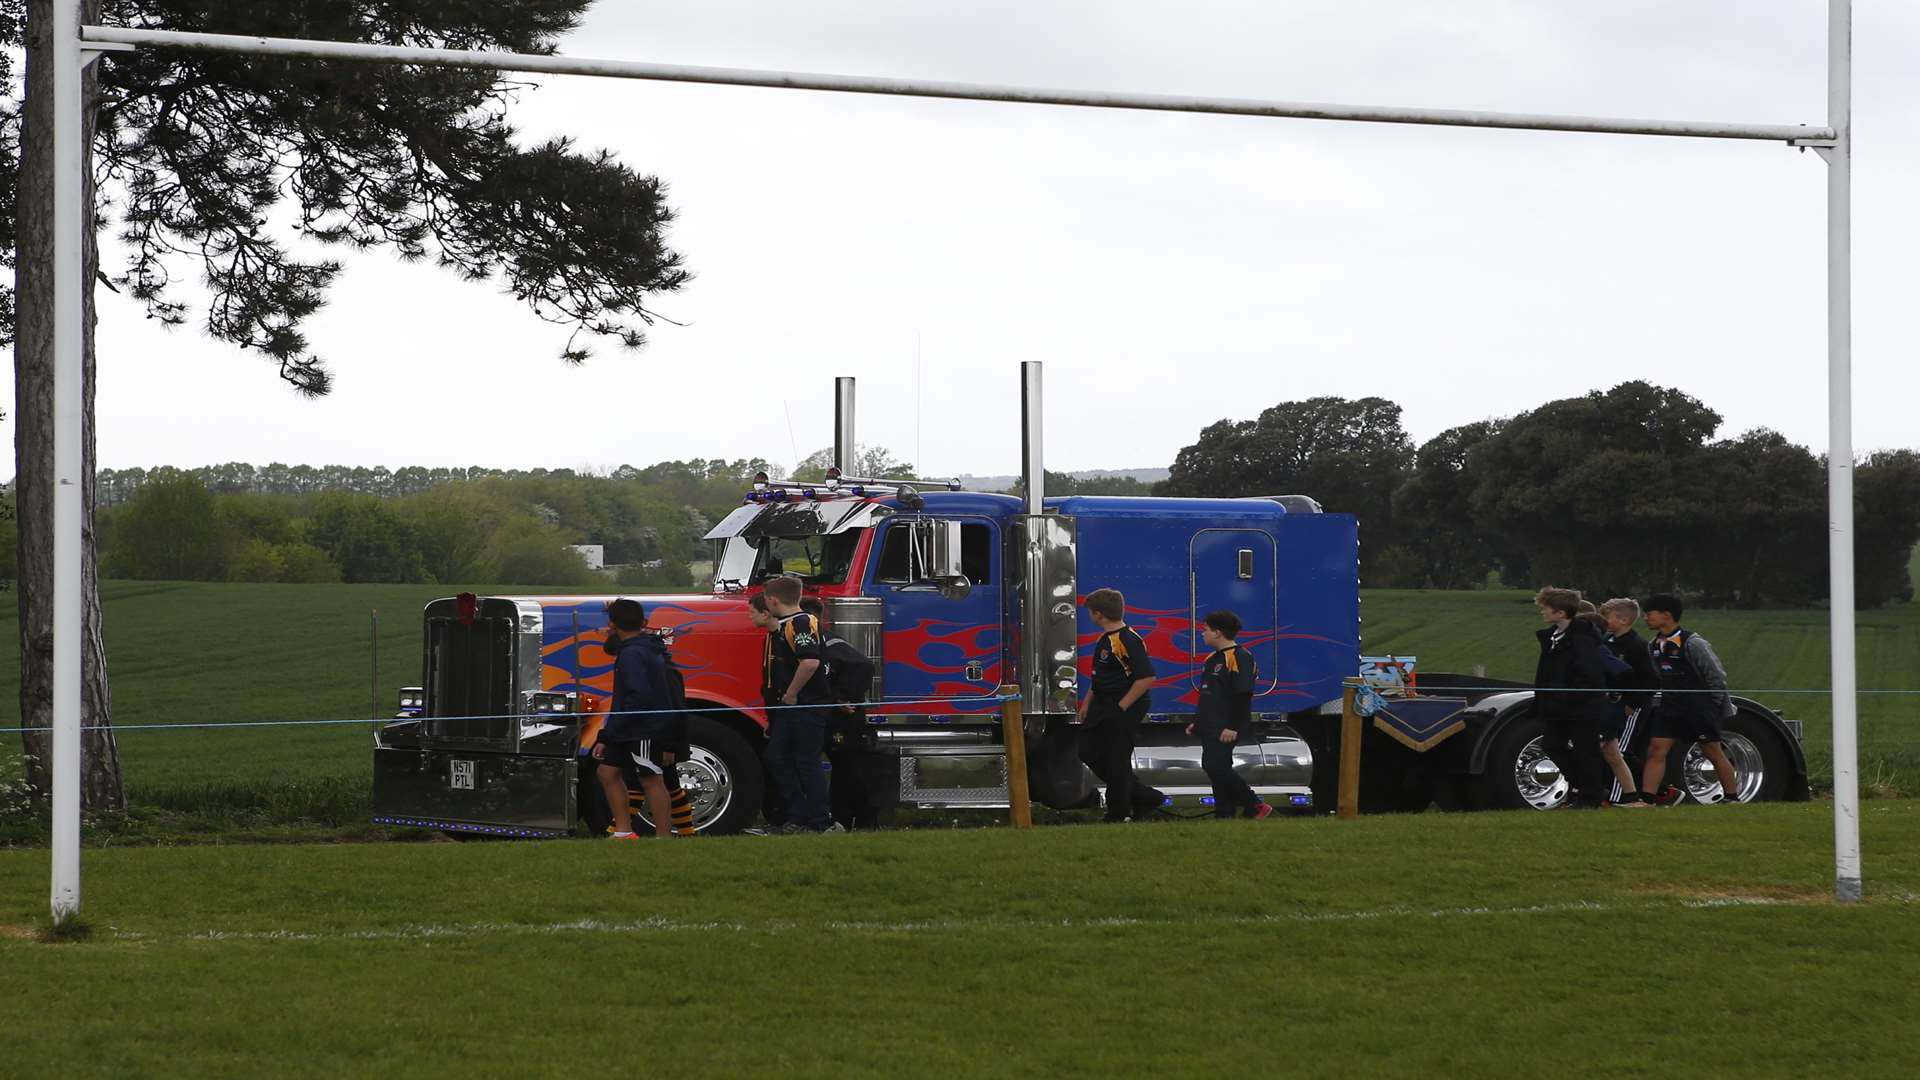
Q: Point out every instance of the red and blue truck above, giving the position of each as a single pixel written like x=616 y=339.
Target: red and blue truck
x=962 y=598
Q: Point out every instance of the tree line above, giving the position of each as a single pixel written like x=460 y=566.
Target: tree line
x=1622 y=492
x=496 y=526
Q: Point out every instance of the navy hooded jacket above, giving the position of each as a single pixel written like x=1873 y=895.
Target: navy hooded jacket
x=639 y=686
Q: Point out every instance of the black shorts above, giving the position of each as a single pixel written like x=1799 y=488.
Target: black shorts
x=1686 y=725
x=635 y=760
x=1618 y=722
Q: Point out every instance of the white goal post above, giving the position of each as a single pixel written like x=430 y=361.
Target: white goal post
x=75 y=45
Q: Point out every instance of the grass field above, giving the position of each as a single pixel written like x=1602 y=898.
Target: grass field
x=1695 y=941
x=212 y=652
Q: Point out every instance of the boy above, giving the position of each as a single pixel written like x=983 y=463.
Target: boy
x=1224 y=714
x=850 y=676
x=634 y=720
x=1123 y=678
x=669 y=752
x=1691 y=704
x=1569 y=685
x=798 y=673
x=773 y=806
x=1634 y=693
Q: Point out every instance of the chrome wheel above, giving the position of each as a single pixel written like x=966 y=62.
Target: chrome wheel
x=1703 y=784
x=709 y=786
x=1538 y=778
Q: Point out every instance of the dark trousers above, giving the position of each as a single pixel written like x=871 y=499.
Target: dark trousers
x=1106 y=745
x=1230 y=792
x=793 y=756
x=1573 y=742
x=847 y=747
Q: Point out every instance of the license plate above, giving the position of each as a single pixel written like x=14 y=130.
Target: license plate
x=461 y=778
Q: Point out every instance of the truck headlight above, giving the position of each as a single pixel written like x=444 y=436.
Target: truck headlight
x=412 y=699
x=549 y=703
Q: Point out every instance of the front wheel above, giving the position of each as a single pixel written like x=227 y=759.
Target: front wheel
x=723 y=778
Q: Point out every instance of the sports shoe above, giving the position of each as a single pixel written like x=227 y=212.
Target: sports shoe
x=763 y=830
x=629 y=836
x=1725 y=799
x=1263 y=811
x=832 y=827
x=1669 y=796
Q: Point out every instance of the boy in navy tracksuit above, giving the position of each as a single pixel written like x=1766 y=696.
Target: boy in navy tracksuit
x=1225 y=714
x=636 y=720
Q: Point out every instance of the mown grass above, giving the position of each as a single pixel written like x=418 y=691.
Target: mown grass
x=188 y=653
x=1462 y=945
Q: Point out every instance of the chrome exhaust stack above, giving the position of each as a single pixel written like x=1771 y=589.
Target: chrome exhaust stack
x=845 y=450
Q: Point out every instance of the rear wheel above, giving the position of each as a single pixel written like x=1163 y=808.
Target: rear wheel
x=1520 y=774
x=1760 y=761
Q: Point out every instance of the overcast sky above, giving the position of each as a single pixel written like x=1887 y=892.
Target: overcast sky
x=1170 y=269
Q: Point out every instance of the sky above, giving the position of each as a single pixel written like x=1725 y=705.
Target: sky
x=1170 y=270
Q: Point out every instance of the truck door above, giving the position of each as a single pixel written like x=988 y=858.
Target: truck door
x=1235 y=569
x=938 y=645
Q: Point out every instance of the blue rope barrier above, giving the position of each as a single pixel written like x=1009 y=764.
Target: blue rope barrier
x=213 y=724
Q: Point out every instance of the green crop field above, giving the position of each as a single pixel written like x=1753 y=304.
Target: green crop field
x=196 y=653
x=1695 y=940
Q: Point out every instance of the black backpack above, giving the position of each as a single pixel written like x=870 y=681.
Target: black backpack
x=849 y=671
x=677 y=700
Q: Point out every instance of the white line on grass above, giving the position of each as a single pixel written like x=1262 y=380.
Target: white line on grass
x=657 y=923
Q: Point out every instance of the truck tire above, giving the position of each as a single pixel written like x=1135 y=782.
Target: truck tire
x=1761 y=760
x=723 y=775
x=1519 y=775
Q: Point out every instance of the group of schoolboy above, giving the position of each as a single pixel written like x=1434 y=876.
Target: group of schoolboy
x=814 y=685
x=1598 y=681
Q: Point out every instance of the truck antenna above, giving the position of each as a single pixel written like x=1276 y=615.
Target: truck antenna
x=792 y=442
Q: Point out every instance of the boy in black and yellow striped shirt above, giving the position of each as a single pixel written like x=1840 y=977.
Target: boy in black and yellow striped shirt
x=1225 y=715
x=1123 y=679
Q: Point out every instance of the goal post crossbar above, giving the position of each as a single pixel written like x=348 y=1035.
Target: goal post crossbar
x=868 y=84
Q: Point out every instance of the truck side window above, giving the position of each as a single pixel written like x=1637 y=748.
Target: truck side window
x=894 y=564
x=976 y=553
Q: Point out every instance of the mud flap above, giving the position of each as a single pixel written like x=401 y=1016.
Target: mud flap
x=1056 y=778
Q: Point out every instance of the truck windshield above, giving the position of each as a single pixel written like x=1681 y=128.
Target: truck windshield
x=816 y=560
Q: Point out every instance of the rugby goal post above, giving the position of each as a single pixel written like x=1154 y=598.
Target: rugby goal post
x=74 y=45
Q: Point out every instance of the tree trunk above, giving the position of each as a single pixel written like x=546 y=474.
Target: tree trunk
x=33 y=442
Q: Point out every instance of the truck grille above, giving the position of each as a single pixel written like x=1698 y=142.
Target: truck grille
x=469 y=675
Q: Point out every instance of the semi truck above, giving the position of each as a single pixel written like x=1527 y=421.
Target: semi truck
x=964 y=600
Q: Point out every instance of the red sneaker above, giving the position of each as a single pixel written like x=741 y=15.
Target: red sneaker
x=1672 y=796
x=1263 y=811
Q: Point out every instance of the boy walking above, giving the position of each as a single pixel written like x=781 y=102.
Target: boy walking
x=1123 y=679
x=1632 y=697
x=1692 y=702
x=797 y=672
x=1225 y=714
x=635 y=721
x=1569 y=684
